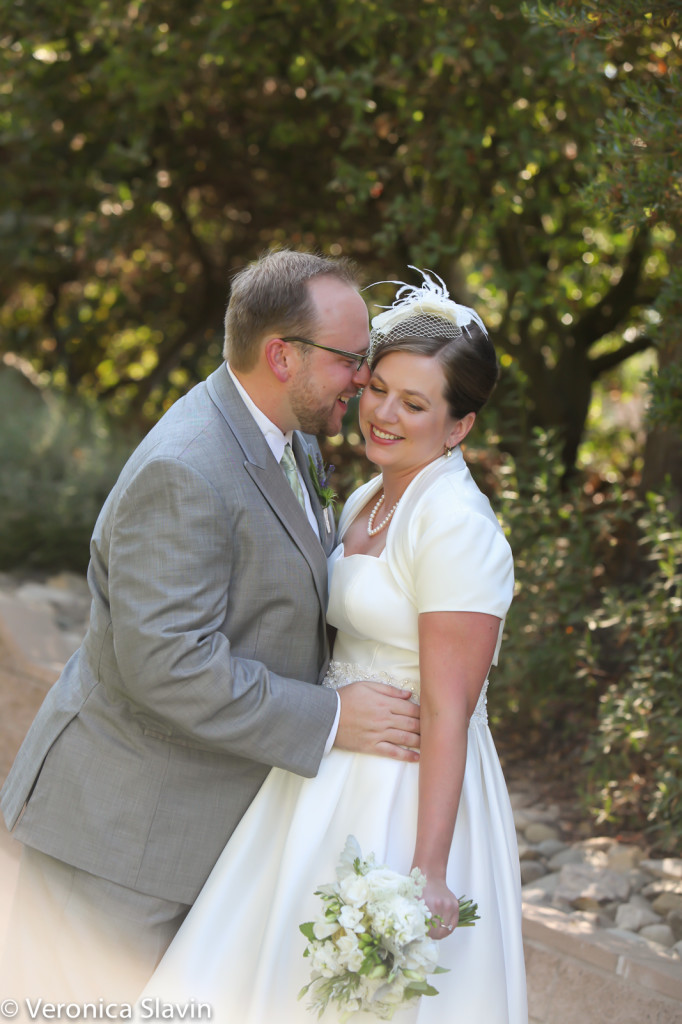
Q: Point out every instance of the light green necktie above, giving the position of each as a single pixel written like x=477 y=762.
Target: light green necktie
x=288 y=464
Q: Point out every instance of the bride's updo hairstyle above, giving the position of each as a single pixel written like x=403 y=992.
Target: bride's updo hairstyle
x=427 y=322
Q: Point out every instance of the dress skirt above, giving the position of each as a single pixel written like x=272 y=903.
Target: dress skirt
x=240 y=949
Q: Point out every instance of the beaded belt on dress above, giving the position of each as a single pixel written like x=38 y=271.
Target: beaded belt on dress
x=341 y=673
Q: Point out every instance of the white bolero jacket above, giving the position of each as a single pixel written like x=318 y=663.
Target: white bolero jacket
x=445 y=549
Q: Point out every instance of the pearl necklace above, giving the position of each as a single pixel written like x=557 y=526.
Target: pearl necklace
x=372 y=530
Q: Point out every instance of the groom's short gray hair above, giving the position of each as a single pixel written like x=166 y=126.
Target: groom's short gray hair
x=271 y=296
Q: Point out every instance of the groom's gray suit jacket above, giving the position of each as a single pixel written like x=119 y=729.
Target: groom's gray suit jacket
x=199 y=669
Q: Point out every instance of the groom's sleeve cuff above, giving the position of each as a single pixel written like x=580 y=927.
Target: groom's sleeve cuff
x=332 y=735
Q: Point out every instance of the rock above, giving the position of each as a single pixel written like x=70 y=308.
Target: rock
x=586 y=904
x=69 y=605
x=637 y=900
x=638 y=879
x=624 y=858
x=541 y=890
x=666 y=902
x=581 y=881
x=524 y=849
x=678 y=948
x=674 y=920
x=520 y=798
x=634 y=918
x=571 y=855
x=599 y=843
x=661 y=885
x=525 y=816
x=609 y=909
x=660 y=933
x=71 y=582
x=579 y=853
x=595 y=918
x=531 y=870
x=522 y=818
x=668 y=867
x=538 y=831
x=550 y=847
x=530 y=853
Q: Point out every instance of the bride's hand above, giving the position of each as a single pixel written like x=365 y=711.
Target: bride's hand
x=444 y=905
x=378 y=719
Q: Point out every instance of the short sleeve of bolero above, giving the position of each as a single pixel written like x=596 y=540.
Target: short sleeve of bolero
x=447 y=549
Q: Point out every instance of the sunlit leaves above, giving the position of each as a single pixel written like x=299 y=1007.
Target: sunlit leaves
x=399 y=133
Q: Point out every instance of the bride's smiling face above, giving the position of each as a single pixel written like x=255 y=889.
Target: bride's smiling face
x=404 y=416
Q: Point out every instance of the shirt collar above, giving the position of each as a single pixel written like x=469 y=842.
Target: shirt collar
x=274 y=438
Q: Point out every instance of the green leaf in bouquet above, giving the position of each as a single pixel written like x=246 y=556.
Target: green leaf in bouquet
x=420 y=988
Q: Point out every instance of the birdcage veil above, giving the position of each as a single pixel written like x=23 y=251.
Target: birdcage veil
x=422 y=311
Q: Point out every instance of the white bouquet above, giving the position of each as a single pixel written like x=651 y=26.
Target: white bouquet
x=369 y=948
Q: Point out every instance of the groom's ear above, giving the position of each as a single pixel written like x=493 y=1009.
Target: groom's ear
x=279 y=357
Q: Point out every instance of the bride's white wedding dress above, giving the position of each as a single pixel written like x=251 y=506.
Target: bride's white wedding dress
x=240 y=949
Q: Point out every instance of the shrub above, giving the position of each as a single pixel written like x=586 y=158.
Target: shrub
x=633 y=759
x=58 y=462
x=541 y=676
x=590 y=664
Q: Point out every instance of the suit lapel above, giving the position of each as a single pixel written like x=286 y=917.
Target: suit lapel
x=261 y=466
x=303 y=451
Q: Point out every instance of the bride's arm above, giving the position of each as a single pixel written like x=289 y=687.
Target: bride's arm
x=455 y=653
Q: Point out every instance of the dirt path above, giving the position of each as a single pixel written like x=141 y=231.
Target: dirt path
x=20 y=698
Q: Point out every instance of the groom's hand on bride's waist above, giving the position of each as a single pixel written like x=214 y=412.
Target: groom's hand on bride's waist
x=378 y=719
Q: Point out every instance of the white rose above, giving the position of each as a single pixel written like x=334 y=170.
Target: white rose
x=383 y=881
x=354 y=889
x=421 y=955
x=407 y=919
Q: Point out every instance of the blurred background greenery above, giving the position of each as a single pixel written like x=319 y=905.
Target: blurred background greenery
x=528 y=154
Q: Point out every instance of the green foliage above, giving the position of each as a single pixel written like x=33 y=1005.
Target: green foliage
x=57 y=465
x=149 y=150
x=665 y=408
x=593 y=642
x=634 y=759
x=638 y=175
x=542 y=670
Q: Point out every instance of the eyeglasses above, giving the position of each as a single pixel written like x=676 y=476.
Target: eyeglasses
x=354 y=357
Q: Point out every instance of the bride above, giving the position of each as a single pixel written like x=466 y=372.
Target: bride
x=419 y=589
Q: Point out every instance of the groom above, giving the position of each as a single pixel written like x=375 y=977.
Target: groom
x=206 y=646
